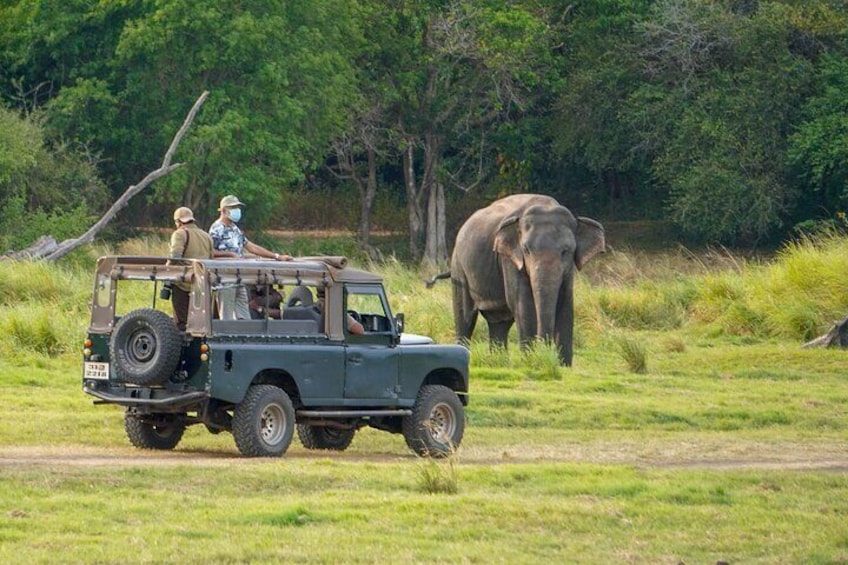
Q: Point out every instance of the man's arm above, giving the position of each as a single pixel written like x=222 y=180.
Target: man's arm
x=353 y=326
x=257 y=249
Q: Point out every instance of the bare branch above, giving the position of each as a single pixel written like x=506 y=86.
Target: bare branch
x=69 y=245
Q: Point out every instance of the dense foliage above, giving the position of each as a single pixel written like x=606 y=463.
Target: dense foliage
x=726 y=117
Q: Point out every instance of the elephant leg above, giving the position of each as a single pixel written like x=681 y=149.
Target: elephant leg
x=564 y=332
x=464 y=312
x=499 y=332
x=524 y=310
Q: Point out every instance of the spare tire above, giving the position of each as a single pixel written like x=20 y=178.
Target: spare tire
x=145 y=347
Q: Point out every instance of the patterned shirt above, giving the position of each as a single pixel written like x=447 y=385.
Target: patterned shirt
x=227 y=238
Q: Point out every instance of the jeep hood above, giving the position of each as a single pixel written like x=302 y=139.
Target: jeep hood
x=414 y=339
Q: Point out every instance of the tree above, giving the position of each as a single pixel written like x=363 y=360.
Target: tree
x=445 y=75
x=818 y=149
x=280 y=87
x=594 y=137
x=44 y=187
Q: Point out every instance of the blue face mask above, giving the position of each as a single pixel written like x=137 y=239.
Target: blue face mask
x=235 y=214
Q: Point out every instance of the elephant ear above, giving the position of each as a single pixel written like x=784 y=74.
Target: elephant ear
x=506 y=241
x=590 y=240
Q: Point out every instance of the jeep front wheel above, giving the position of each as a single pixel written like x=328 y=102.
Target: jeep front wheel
x=263 y=422
x=145 y=347
x=437 y=422
x=325 y=437
x=164 y=434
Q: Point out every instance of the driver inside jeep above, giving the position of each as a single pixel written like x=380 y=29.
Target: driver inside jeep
x=353 y=325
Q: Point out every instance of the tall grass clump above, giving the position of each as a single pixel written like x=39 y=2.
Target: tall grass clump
x=723 y=299
x=633 y=352
x=33 y=281
x=805 y=289
x=41 y=329
x=43 y=307
x=485 y=355
x=647 y=306
x=143 y=246
x=439 y=475
x=541 y=361
x=797 y=295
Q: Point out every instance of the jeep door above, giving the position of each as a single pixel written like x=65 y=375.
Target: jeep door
x=371 y=359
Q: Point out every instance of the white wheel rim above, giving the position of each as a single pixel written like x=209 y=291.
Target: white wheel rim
x=442 y=424
x=272 y=424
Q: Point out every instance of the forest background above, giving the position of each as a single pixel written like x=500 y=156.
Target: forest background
x=714 y=121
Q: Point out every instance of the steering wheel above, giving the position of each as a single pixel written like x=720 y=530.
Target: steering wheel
x=355 y=315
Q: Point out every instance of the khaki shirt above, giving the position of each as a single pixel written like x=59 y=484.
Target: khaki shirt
x=199 y=246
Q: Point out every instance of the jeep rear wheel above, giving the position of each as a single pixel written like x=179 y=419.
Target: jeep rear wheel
x=145 y=347
x=264 y=422
x=437 y=422
x=325 y=437
x=164 y=434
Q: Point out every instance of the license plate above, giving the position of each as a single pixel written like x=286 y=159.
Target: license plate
x=96 y=370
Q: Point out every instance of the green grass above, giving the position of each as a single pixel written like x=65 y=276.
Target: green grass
x=729 y=444
x=328 y=511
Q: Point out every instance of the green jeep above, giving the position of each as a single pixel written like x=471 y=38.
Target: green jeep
x=262 y=379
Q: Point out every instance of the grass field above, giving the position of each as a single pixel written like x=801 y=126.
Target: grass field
x=693 y=428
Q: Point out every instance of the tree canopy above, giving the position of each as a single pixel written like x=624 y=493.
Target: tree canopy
x=725 y=117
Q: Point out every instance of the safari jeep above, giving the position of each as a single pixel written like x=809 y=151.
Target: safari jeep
x=262 y=379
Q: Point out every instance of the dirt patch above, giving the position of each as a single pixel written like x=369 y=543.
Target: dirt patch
x=81 y=456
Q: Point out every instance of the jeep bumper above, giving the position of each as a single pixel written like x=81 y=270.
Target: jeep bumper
x=133 y=397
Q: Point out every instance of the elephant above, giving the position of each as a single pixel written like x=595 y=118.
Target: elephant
x=514 y=261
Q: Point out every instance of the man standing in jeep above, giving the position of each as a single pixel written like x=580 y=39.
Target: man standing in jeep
x=229 y=241
x=187 y=242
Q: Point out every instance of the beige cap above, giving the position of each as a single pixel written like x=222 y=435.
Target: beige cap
x=183 y=215
x=229 y=201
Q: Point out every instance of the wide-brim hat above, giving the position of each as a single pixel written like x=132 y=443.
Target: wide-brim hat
x=230 y=201
x=183 y=215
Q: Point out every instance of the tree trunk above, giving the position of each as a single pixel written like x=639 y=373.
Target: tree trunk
x=435 y=249
x=413 y=204
x=367 y=195
x=836 y=337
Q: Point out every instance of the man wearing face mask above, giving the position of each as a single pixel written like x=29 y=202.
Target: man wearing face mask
x=229 y=241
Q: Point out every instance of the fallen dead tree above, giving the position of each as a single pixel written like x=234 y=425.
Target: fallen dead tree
x=46 y=247
x=836 y=337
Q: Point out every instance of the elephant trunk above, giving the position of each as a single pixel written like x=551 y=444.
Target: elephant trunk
x=546 y=287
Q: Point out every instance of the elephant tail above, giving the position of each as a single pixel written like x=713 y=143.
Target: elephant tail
x=432 y=282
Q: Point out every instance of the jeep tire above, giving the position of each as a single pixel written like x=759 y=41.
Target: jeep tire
x=145 y=347
x=264 y=422
x=437 y=422
x=145 y=435
x=325 y=437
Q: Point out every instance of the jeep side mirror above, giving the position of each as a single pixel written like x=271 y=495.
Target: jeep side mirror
x=399 y=323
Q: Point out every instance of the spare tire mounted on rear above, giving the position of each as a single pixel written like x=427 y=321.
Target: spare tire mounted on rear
x=145 y=347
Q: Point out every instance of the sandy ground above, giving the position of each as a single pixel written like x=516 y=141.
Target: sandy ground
x=821 y=458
